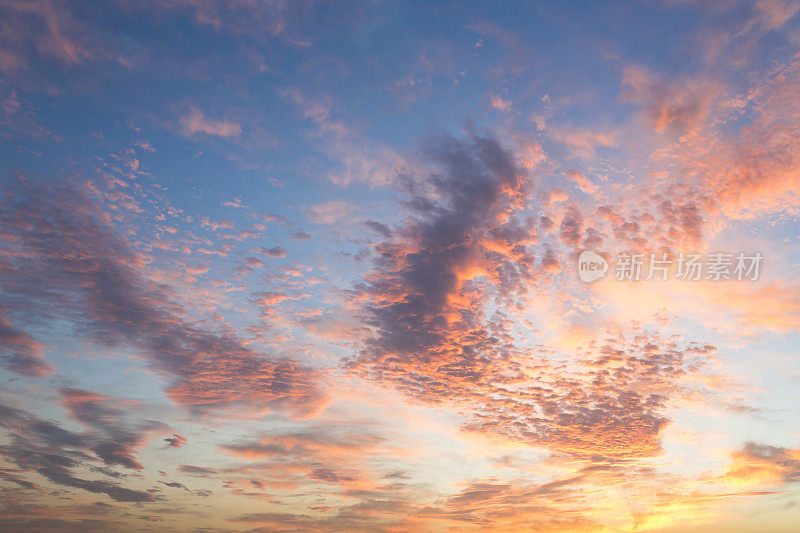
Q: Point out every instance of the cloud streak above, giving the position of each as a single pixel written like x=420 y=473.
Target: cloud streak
x=64 y=257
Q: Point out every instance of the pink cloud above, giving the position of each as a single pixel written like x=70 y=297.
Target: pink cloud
x=196 y=122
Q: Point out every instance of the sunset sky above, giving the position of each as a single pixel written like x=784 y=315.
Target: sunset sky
x=313 y=266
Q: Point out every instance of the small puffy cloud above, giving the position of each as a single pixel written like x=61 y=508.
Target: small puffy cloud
x=584 y=142
x=330 y=212
x=581 y=181
x=176 y=441
x=275 y=252
x=316 y=109
x=500 y=104
x=196 y=122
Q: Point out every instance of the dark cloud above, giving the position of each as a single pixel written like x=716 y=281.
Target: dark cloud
x=176 y=441
x=197 y=470
x=277 y=251
x=114 y=439
x=25 y=484
x=571 y=227
x=379 y=227
x=326 y=474
x=175 y=485
x=460 y=228
x=54 y=453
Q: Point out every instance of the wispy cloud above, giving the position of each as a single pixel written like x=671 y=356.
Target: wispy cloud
x=196 y=122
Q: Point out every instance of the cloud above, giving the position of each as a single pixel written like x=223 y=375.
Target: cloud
x=316 y=109
x=582 y=181
x=196 y=122
x=114 y=441
x=75 y=265
x=21 y=353
x=197 y=470
x=584 y=142
x=176 y=441
x=54 y=453
x=669 y=103
x=423 y=281
x=753 y=168
x=571 y=227
x=47 y=27
x=253 y=20
x=500 y=104
x=324 y=453
x=772 y=14
x=669 y=217
x=275 y=252
x=759 y=464
x=329 y=213
x=354 y=159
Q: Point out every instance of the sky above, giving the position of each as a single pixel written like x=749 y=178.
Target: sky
x=399 y=266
